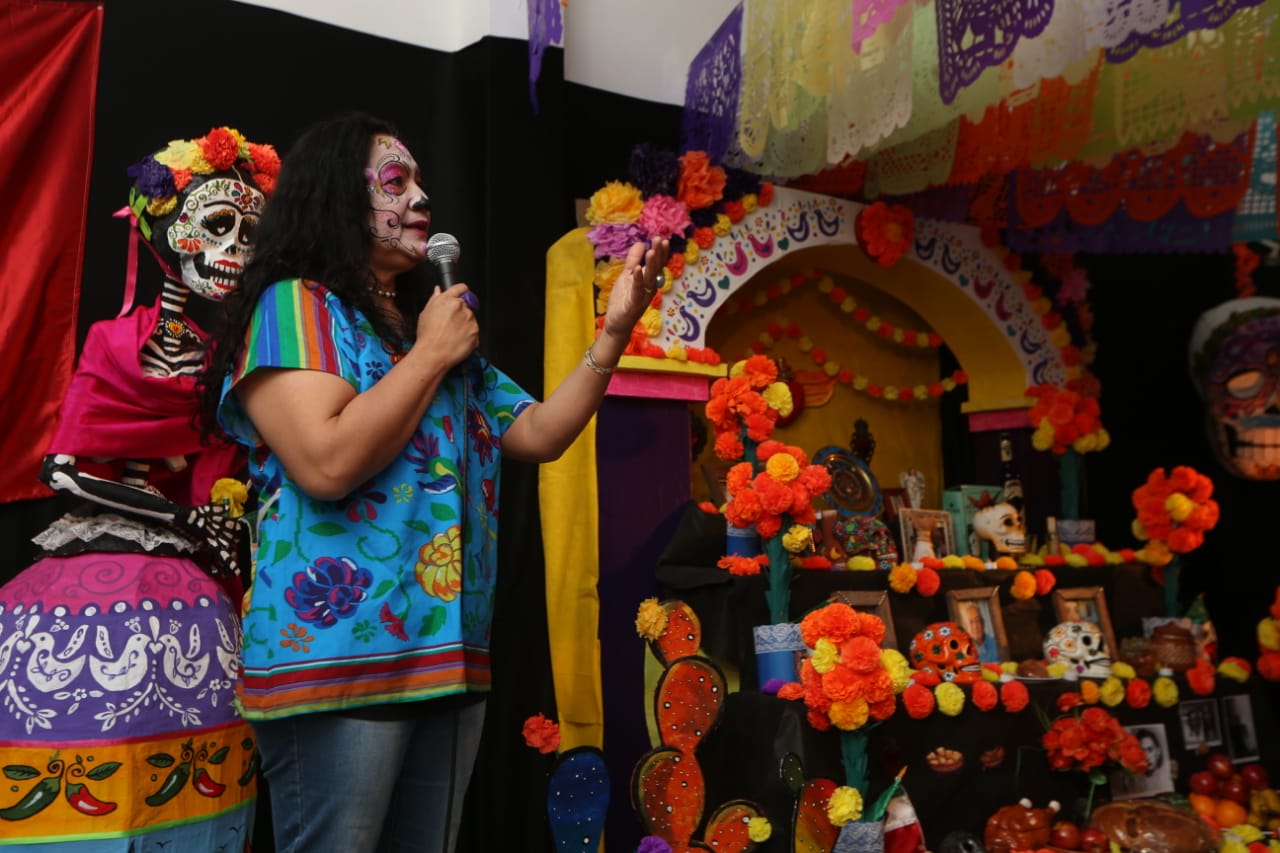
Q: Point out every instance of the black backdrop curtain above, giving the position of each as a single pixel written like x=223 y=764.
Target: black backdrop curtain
x=502 y=179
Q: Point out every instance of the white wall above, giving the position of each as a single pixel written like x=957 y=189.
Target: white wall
x=638 y=49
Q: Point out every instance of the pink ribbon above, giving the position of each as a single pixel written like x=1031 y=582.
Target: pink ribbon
x=131 y=260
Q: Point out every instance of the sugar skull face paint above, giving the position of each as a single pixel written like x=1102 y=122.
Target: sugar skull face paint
x=399 y=209
x=1235 y=363
x=212 y=234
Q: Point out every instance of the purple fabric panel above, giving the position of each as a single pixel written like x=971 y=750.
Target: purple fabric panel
x=643 y=468
x=711 y=93
x=546 y=27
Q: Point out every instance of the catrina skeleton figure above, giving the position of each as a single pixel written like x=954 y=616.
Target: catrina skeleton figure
x=125 y=442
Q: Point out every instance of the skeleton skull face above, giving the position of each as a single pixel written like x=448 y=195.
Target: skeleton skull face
x=944 y=648
x=212 y=231
x=1001 y=525
x=1235 y=361
x=1081 y=646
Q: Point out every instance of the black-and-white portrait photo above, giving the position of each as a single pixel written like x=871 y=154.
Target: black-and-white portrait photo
x=1200 y=723
x=1159 y=776
x=1242 y=737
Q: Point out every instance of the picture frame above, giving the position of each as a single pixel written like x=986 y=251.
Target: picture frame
x=925 y=530
x=1241 y=734
x=875 y=601
x=978 y=608
x=1087 y=604
x=1159 y=776
x=1201 y=725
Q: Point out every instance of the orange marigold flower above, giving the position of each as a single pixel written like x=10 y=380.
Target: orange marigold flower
x=851 y=715
x=1201 y=677
x=1070 y=699
x=928 y=581
x=1014 y=696
x=985 y=696
x=902 y=578
x=704 y=237
x=541 y=733
x=918 y=700
x=739 y=565
x=701 y=184
x=1138 y=693
x=842 y=684
x=1024 y=586
x=791 y=690
x=861 y=654
x=220 y=148
x=871 y=625
x=1045 y=581
x=708 y=506
x=760 y=371
x=728 y=446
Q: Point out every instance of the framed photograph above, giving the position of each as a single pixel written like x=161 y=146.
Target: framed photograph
x=1087 y=604
x=1242 y=737
x=1159 y=776
x=874 y=601
x=977 y=611
x=1200 y=723
x=926 y=533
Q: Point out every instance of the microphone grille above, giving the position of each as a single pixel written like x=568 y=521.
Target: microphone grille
x=443 y=247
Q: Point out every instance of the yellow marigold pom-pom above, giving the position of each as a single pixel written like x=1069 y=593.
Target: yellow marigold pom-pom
x=1165 y=691
x=902 y=578
x=825 y=656
x=798 y=537
x=860 y=563
x=231 y=493
x=778 y=396
x=162 y=206
x=759 y=829
x=844 y=805
x=898 y=668
x=651 y=619
x=1112 y=692
x=1120 y=669
x=950 y=698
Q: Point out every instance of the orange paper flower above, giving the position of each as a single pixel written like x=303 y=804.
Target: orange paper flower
x=542 y=734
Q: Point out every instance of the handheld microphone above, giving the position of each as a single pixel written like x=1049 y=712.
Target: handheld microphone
x=443 y=251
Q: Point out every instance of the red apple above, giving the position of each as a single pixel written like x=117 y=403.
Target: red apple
x=1065 y=834
x=1094 y=841
x=1255 y=776
x=1220 y=765
x=1236 y=790
x=1204 y=782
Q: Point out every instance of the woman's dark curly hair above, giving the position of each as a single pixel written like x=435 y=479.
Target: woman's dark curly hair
x=314 y=227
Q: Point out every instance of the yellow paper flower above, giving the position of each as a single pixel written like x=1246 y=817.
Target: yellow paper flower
x=1057 y=669
x=782 y=467
x=902 y=578
x=860 y=563
x=778 y=396
x=1076 y=560
x=950 y=698
x=825 y=656
x=989 y=674
x=1120 y=669
x=952 y=561
x=1165 y=691
x=1268 y=635
x=844 y=805
x=798 y=537
x=1232 y=669
x=651 y=321
x=231 y=493
x=899 y=670
x=162 y=206
x=1111 y=692
x=1009 y=666
x=651 y=619
x=850 y=715
x=616 y=203
x=759 y=829
x=1024 y=586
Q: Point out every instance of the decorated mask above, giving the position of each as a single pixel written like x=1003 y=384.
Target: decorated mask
x=1079 y=645
x=212 y=232
x=1001 y=525
x=1235 y=364
x=945 y=649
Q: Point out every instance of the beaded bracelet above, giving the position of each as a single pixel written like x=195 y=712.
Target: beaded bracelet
x=595 y=365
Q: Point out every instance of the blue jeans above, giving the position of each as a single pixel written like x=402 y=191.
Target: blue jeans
x=350 y=785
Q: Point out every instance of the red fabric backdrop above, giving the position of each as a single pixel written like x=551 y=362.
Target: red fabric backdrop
x=48 y=82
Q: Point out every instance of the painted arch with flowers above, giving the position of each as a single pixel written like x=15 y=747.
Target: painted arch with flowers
x=729 y=230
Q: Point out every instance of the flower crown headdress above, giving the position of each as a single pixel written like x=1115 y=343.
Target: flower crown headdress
x=160 y=177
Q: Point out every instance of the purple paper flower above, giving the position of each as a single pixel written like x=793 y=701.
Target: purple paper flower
x=653 y=844
x=153 y=179
x=654 y=171
x=615 y=240
x=738 y=183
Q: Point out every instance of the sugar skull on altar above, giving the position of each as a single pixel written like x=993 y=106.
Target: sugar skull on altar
x=945 y=649
x=1235 y=363
x=1079 y=645
x=1002 y=526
